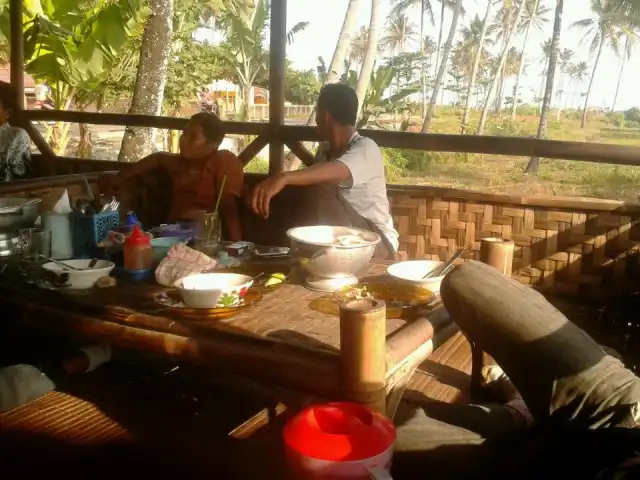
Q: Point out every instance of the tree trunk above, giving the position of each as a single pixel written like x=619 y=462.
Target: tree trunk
x=474 y=71
x=440 y=33
x=291 y=162
x=593 y=75
x=151 y=77
x=245 y=114
x=615 y=97
x=423 y=80
x=534 y=163
x=369 y=58
x=342 y=47
x=503 y=60
x=514 y=107
x=443 y=67
x=559 y=95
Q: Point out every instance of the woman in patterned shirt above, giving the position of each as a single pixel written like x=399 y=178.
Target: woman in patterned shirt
x=15 y=156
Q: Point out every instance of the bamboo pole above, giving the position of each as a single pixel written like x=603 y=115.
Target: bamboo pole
x=498 y=253
x=17 y=52
x=277 y=59
x=363 y=352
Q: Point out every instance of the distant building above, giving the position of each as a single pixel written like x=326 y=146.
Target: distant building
x=29 y=82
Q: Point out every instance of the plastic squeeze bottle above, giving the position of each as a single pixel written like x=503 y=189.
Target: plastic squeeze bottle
x=137 y=251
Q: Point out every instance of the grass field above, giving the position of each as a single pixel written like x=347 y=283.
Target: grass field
x=503 y=174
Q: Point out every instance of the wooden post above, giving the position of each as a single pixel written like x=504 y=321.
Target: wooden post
x=497 y=253
x=16 y=54
x=363 y=366
x=277 y=54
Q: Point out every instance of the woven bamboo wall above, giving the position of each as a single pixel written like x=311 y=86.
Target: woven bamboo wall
x=591 y=246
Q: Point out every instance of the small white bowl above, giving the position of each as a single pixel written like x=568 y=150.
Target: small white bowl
x=81 y=279
x=213 y=290
x=413 y=273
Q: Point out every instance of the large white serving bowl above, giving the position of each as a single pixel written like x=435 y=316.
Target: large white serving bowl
x=413 y=272
x=81 y=279
x=319 y=254
x=213 y=290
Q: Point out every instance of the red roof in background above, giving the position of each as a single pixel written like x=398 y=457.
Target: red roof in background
x=29 y=82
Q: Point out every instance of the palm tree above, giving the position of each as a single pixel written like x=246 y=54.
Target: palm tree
x=565 y=57
x=501 y=65
x=468 y=34
x=534 y=16
x=603 y=27
x=343 y=44
x=629 y=46
x=401 y=6
x=443 y=66
x=370 y=56
x=578 y=73
x=148 y=91
x=358 y=46
x=534 y=163
x=399 y=32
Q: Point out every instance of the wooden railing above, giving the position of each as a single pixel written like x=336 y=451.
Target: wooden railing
x=293 y=136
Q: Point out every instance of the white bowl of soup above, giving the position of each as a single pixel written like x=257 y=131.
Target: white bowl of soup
x=413 y=272
x=83 y=278
x=213 y=290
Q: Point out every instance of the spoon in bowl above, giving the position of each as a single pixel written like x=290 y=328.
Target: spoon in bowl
x=444 y=268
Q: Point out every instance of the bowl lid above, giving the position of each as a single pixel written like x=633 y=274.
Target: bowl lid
x=339 y=431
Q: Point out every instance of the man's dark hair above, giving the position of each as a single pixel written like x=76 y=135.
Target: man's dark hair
x=8 y=98
x=211 y=126
x=340 y=101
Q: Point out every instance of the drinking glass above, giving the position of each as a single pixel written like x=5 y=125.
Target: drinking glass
x=33 y=243
x=211 y=228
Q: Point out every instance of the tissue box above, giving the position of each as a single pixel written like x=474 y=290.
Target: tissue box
x=89 y=230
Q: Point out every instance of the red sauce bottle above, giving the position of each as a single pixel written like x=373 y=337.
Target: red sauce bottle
x=137 y=251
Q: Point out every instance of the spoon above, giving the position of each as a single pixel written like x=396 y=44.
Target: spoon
x=444 y=268
x=62 y=264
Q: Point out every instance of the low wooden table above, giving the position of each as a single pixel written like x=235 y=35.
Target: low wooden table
x=280 y=339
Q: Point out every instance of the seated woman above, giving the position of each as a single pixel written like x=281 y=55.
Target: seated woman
x=15 y=156
x=196 y=174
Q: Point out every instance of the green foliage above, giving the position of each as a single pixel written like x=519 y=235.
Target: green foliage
x=193 y=67
x=301 y=87
x=257 y=165
x=73 y=45
x=632 y=115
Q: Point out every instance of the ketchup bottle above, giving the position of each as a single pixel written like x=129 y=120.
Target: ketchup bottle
x=137 y=251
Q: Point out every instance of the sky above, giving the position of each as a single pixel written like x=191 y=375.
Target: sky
x=325 y=20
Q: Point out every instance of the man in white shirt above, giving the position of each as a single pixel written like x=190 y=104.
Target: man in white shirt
x=351 y=163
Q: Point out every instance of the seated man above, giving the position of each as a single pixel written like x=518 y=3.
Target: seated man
x=347 y=162
x=15 y=156
x=197 y=174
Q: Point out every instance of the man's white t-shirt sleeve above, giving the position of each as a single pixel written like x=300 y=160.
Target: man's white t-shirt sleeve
x=355 y=159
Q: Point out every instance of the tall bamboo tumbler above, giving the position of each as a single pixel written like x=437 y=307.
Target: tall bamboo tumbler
x=363 y=367
x=498 y=253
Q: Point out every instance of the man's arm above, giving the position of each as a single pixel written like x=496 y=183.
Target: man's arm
x=328 y=172
x=146 y=165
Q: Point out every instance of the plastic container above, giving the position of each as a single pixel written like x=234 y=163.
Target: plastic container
x=137 y=251
x=339 y=440
x=90 y=230
x=134 y=275
x=161 y=247
x=59 y=224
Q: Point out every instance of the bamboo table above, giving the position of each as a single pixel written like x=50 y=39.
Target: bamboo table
x=280 y=339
